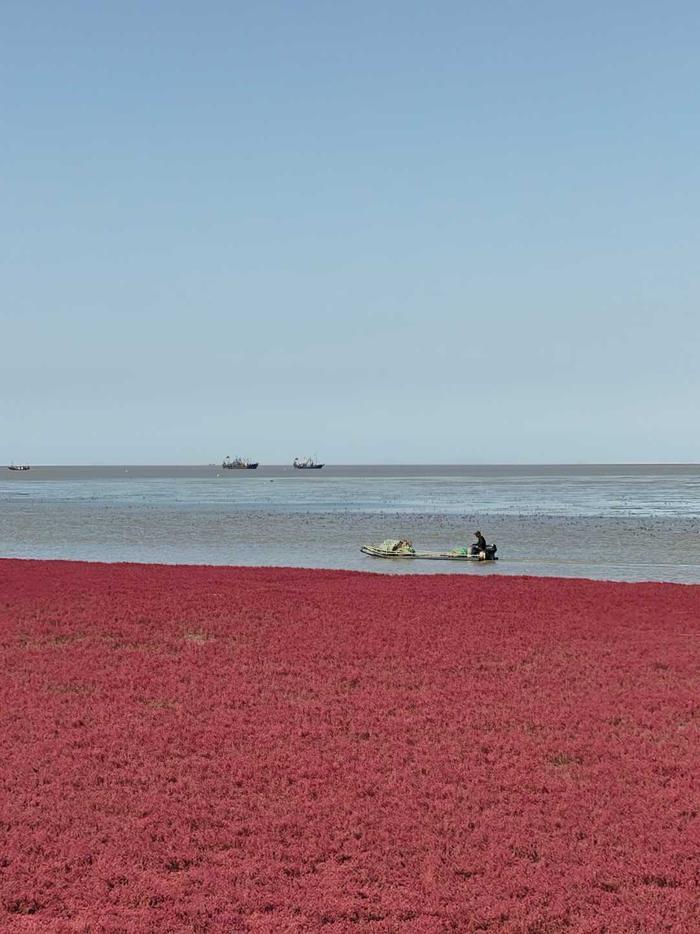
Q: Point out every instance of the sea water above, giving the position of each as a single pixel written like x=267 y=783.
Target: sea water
x=631 y=522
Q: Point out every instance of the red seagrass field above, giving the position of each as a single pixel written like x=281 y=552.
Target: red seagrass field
x=278 y=750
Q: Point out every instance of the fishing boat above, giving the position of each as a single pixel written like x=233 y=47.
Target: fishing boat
x=239 y=463
x=400 y=548
x=306 y=463
x=19 y=467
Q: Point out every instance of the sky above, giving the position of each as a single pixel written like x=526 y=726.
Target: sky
x=379 y=232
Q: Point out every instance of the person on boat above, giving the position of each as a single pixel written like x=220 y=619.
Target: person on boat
x=480 y=544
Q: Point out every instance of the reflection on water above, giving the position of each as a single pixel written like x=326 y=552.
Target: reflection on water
x=627 y=523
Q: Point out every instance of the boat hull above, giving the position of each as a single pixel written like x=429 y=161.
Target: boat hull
x=240 y=466
x=374 y=552
x=308 y=466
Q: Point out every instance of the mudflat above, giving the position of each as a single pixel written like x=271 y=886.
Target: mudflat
x=614 y=522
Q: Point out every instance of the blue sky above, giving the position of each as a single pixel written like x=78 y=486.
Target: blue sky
x=382 y=232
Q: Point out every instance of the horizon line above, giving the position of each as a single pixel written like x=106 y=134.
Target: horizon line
x=627 y=463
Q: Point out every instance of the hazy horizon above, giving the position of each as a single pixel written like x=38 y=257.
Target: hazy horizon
x=280 y=464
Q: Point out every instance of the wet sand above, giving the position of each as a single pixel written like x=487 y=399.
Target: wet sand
x=599 y=547
x=634 y=522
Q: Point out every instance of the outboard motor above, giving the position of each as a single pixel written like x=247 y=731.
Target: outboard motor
x=489 y=554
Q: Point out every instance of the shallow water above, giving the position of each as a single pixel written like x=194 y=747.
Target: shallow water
x=633 y=522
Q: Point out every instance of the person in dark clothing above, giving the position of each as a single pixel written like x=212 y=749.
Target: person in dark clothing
x=480 y=543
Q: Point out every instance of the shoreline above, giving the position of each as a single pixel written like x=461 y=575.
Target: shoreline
x=292 y=568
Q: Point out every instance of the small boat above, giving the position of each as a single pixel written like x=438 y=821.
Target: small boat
x=239 y=463
x=19 y=467
x=395 y=548
x=306 y=463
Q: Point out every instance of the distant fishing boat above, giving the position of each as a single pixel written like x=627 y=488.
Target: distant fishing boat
x=239 y=463
x=306 y=463
x=19 y=467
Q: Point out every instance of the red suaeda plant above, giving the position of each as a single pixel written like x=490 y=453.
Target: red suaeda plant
x=228 y=749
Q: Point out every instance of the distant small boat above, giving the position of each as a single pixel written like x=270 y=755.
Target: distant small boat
x=395 y=548
x=239 y=463
x=19 y=467
x=306 y=463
